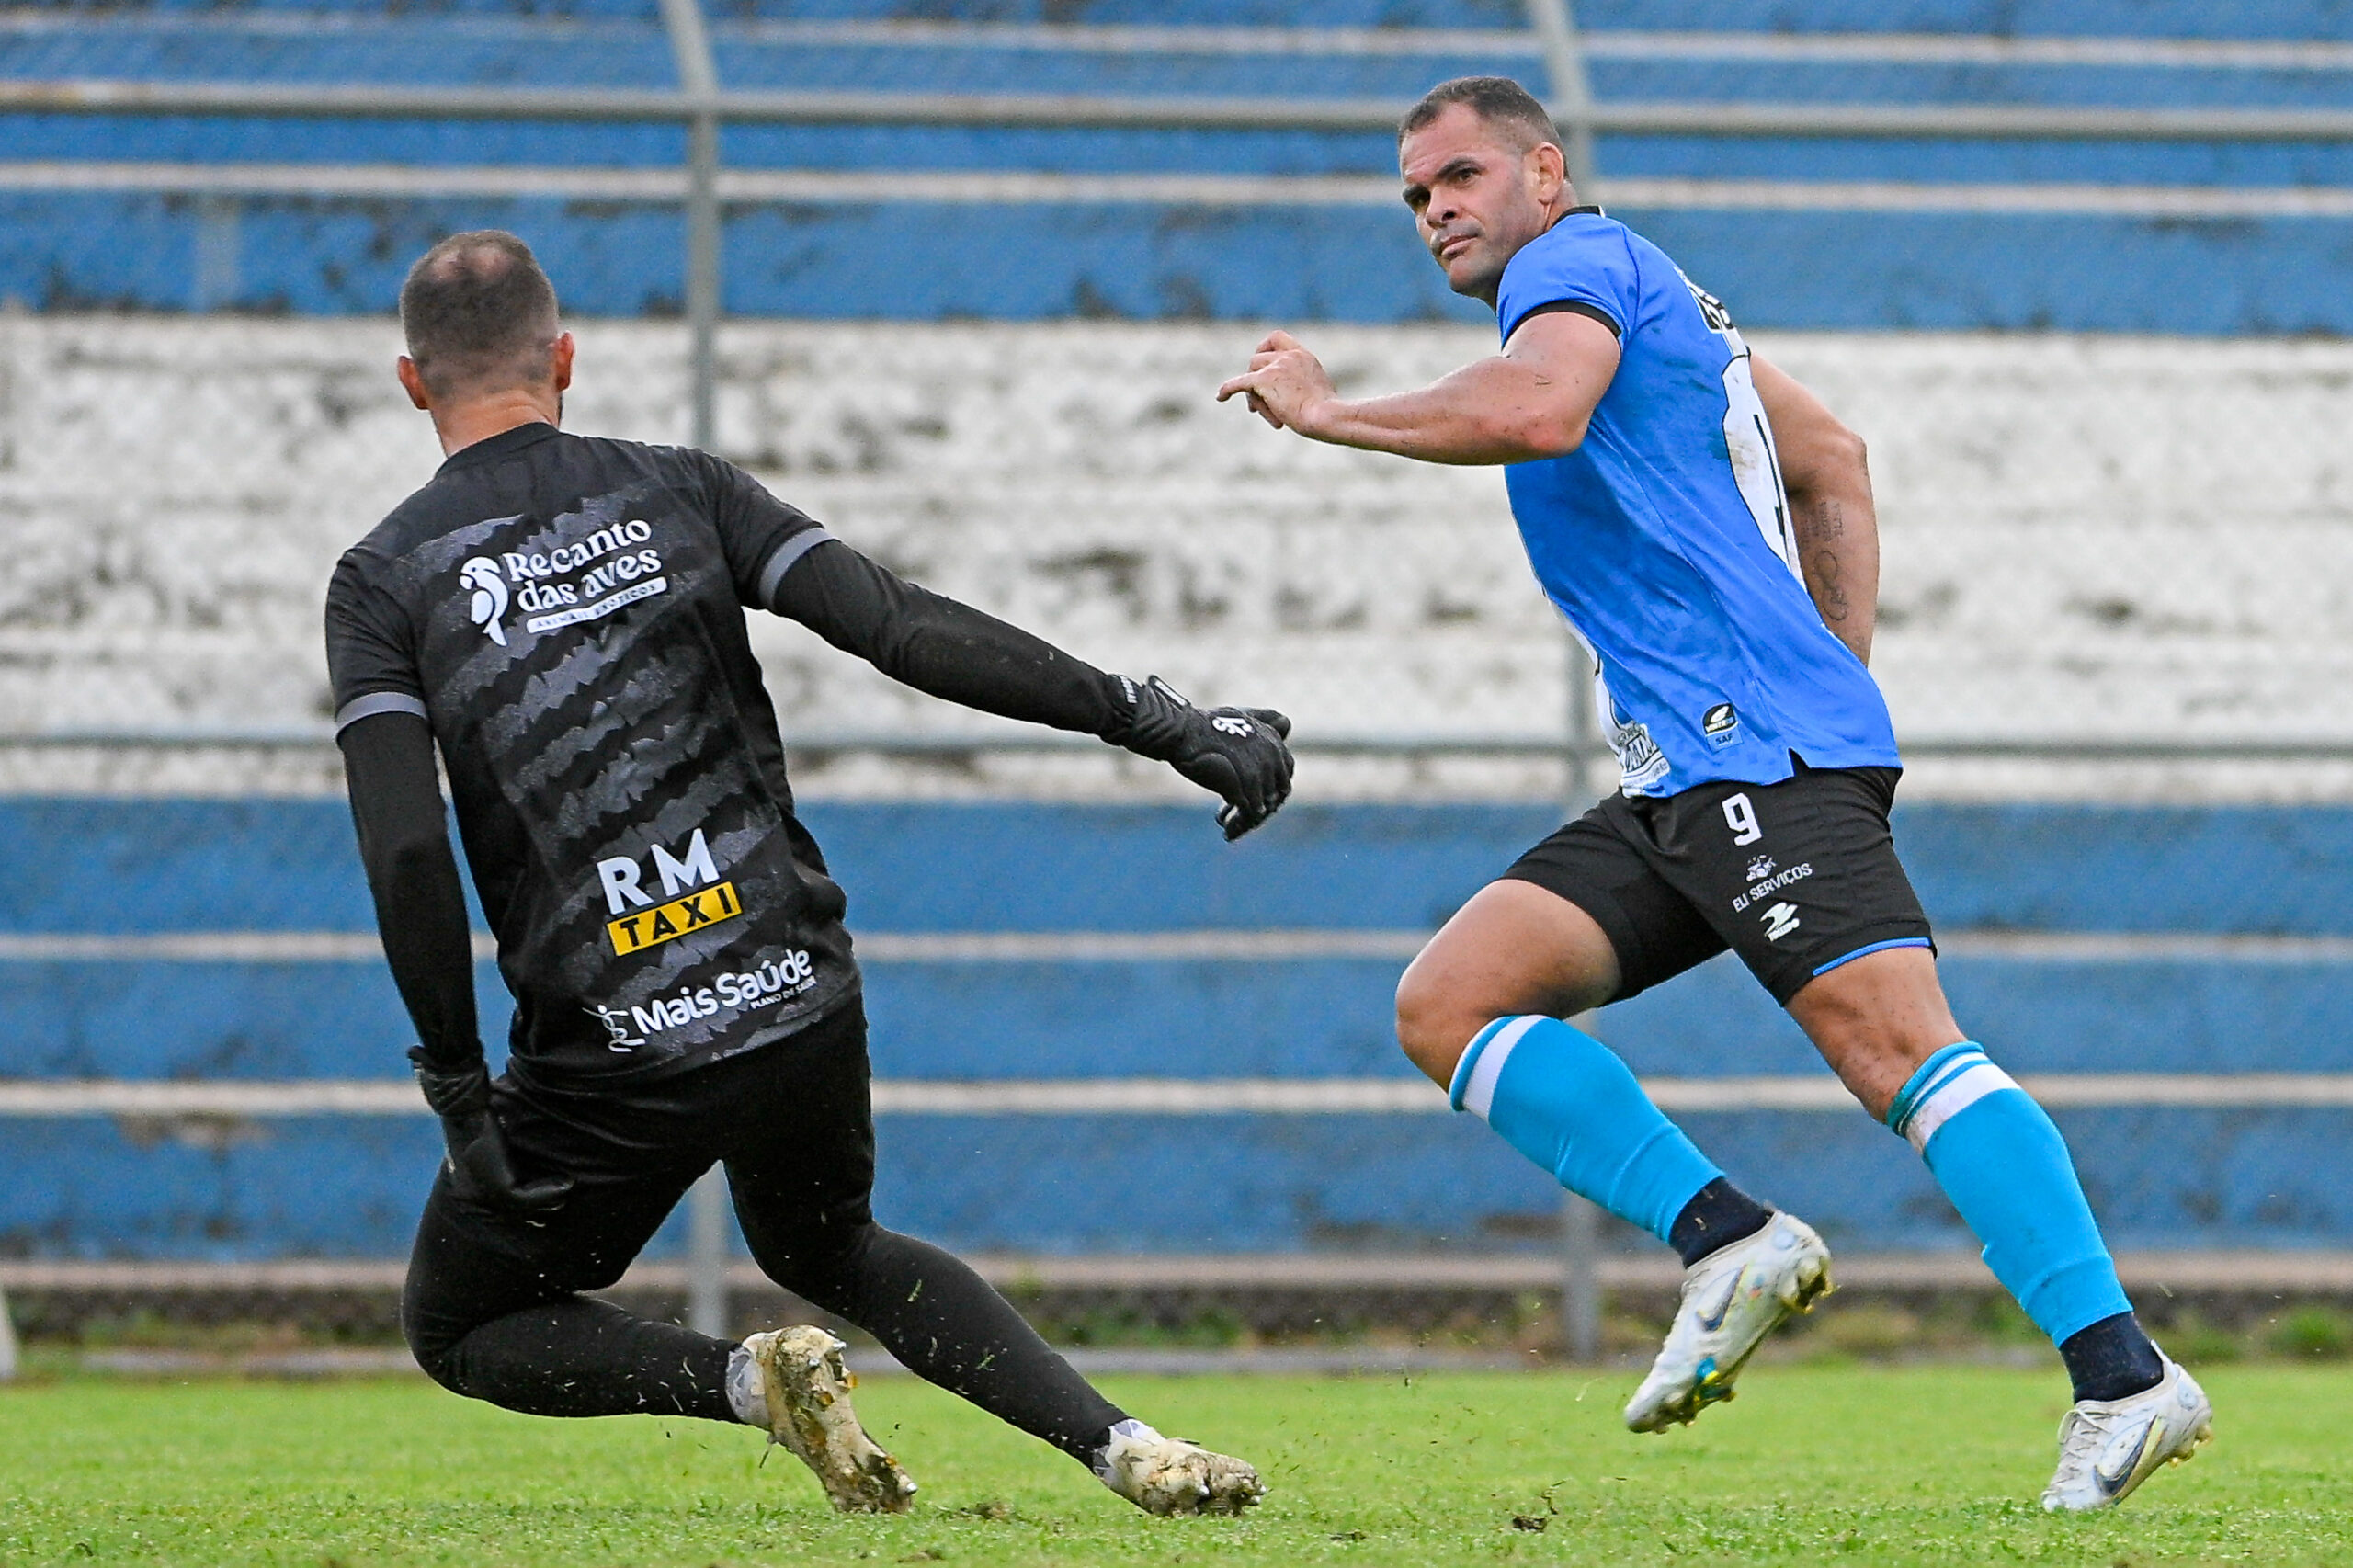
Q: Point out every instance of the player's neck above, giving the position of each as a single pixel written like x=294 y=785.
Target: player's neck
x=462 y=425
x=1554 y=210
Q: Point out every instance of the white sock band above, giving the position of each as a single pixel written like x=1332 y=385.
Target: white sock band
x=1133 y=1430
x=747 y=1395
x=1473 y=1088
x=1971 y=1079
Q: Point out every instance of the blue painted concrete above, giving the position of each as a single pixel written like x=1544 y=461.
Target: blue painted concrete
x=348 y=1187
x=930 y=261
x=908 y=261
x=199 y=864
x=1316 y=1017
x=351 y=1187
x=2155 y=18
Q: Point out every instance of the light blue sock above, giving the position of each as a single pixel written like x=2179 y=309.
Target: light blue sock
x=1563 y=1099
x=2003 y=1165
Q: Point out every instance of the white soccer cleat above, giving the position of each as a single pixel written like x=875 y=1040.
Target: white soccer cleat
x=1732 y=1298
x=1168 y=1475
x=2108 y=1446
x=807 y=1389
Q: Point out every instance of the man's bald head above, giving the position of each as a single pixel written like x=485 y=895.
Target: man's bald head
x=479 y=315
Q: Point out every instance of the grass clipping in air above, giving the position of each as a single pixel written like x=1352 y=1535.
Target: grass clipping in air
x=1812 y=1465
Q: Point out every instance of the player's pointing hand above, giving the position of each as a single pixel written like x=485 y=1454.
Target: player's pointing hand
x=1285 y=383
x=1235 y=753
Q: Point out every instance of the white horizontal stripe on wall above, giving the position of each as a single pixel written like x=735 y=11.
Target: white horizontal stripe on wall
x=1177 y=1097
x=1156 y=947
x=862 y=188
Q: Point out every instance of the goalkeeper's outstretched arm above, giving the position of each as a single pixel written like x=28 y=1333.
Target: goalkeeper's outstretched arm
x=950 y=650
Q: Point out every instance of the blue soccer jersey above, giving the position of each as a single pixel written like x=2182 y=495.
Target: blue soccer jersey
x=1665 y=537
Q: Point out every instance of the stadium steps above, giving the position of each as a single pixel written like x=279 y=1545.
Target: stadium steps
x=1928 y=231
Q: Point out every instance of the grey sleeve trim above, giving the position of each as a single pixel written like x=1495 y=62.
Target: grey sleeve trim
x=787 y=555
x=367 y=707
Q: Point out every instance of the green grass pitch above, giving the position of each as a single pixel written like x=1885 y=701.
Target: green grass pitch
x=1812 y=1464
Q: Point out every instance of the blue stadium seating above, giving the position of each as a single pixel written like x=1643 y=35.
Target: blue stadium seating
x=335 y=254
x=348 y=1187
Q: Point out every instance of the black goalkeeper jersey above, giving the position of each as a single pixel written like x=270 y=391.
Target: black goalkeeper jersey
x=567 y=615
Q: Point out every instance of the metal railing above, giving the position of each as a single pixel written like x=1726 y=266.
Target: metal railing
x=1086 y=111
x=1588 y=755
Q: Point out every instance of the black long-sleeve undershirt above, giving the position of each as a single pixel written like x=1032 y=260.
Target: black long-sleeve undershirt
x=943 y=648
x=412 y=877
x=924 y=640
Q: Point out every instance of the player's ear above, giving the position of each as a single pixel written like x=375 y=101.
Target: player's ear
x=559 y=361
x=413 y=382
x=1548 y=173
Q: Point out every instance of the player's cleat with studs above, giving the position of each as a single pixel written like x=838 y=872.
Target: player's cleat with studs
x=807 y=1388
x=1168 y=1475
x=2108 y=1446
x=1732 y=1298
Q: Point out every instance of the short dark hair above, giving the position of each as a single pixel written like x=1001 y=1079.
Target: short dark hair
x=479 y=313
x=1499 y=100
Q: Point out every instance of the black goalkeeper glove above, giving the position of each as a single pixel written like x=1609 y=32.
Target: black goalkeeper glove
x=480 y=1171
x=1235 y=753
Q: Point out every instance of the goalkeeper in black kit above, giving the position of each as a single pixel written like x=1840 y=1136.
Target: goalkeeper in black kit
x=565 y=618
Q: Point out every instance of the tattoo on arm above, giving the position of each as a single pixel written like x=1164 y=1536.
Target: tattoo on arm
x=1820 y=525
x=1829 y=594
x=1822 y=521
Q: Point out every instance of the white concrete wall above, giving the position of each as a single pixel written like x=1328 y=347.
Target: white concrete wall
x=2135 y=538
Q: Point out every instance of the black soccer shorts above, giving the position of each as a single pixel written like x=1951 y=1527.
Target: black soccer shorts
x=791 y=1121
x=1797 y=878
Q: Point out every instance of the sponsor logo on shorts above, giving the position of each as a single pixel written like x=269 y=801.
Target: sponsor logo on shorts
x=1761 y=867
x=1719 y=725
x=1770 y=885
x=1779 y=920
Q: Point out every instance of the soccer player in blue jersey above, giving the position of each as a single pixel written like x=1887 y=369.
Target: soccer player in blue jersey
x=1707 y=527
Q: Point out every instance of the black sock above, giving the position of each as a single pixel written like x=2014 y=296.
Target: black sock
x=2113 y=1360
x=1718 y=1215
x=945 y=1325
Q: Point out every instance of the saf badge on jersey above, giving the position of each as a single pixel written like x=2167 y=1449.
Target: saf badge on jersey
x=1719 y=723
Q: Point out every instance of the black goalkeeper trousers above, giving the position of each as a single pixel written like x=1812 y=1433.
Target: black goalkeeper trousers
x=493 y=1308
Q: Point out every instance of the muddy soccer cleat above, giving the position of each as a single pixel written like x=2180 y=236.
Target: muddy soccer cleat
x=1168 y=1475
x=807 y=1390
x=2108 y=1446
x=1732 y=1298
